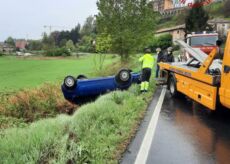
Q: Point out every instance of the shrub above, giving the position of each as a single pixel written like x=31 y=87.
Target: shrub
x=58 y=52
x=31 y=105
x=163 y=41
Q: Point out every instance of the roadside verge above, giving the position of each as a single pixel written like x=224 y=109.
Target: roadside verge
x=97 y=133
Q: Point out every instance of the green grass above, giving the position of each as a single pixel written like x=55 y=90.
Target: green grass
x=96 y=133
x=9 y=122
x=215 y=10
x=18 y=73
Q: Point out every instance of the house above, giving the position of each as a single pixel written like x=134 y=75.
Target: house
x=6 y=48
x=158 y=6
x=168 y=8
x=221 y=26
x=177 y=32
x=1 y=46
x=161 y=5
x=21 y=44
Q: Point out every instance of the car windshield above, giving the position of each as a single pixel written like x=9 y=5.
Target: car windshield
x=204 y=41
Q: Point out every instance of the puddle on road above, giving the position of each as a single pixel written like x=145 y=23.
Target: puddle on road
x=208 y=132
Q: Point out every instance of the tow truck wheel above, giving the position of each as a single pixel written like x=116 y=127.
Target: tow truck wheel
x=123 y=77
x=172 y=87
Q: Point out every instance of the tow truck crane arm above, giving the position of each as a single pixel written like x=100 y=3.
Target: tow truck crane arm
x=193 y=78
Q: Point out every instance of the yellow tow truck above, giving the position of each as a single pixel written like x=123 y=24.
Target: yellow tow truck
x=203 y=79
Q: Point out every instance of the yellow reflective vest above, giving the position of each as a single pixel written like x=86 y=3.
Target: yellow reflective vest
x=148 y=61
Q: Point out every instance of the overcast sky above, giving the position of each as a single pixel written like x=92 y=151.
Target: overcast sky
x=26 y=18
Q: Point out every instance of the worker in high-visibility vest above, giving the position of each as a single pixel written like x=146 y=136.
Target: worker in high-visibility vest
x=148 y=61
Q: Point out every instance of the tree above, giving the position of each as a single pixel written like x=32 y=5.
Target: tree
x=197 y=20
x=163 y=42
x=89 y=27
x=48 y=42
x=85 y=44
x=70 y=46
x=55 y=35
x=75 y=34
x=62 y=43
x=34 y=45
x=63 y=36
x=130 y=23
x=88 y=35
x=10 y=41
x=227 y=8
x=103 y=45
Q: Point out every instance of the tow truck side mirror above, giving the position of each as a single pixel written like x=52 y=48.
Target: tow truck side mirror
x=226 y=69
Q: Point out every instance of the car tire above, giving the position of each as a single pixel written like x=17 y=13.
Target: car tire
x=123 y=77
x=70 y=82
x=81 y=77
x=172 y=86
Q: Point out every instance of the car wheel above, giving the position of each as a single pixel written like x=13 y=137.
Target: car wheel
x=172 y=87
x=81 y=77
x=70 y=82
x=123 y=77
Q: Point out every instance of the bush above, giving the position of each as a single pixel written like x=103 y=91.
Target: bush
x=31 y=105
x=163 y=41
x=58 y=52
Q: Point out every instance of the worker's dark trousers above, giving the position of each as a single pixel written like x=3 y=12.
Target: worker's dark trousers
x=146 y=74
x=157 y=71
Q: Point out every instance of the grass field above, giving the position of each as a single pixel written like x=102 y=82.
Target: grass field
x=19 y=73
x=96 y=133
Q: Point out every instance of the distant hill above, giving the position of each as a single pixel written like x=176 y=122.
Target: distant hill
x=215 y=10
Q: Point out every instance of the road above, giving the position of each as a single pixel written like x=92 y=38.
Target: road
x=186 y=132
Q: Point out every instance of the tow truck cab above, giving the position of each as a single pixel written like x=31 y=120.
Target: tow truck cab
x=205 y=41
x=224 y=90
x=203 y=79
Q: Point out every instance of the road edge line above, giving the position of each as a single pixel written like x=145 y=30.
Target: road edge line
x=142 y=155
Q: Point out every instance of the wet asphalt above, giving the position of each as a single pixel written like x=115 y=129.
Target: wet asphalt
x=186 y=133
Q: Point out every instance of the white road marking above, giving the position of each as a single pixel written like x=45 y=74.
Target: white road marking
x=149 y=135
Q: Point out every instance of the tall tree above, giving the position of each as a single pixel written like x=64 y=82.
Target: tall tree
x=75 y=34
x=129 y=23
x=89 y=26
x=197 y=20
x=34 y=45
x=10 y=41
x=63 y=36
x=48 y=42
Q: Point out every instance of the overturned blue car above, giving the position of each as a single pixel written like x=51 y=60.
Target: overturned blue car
x=79 y=89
